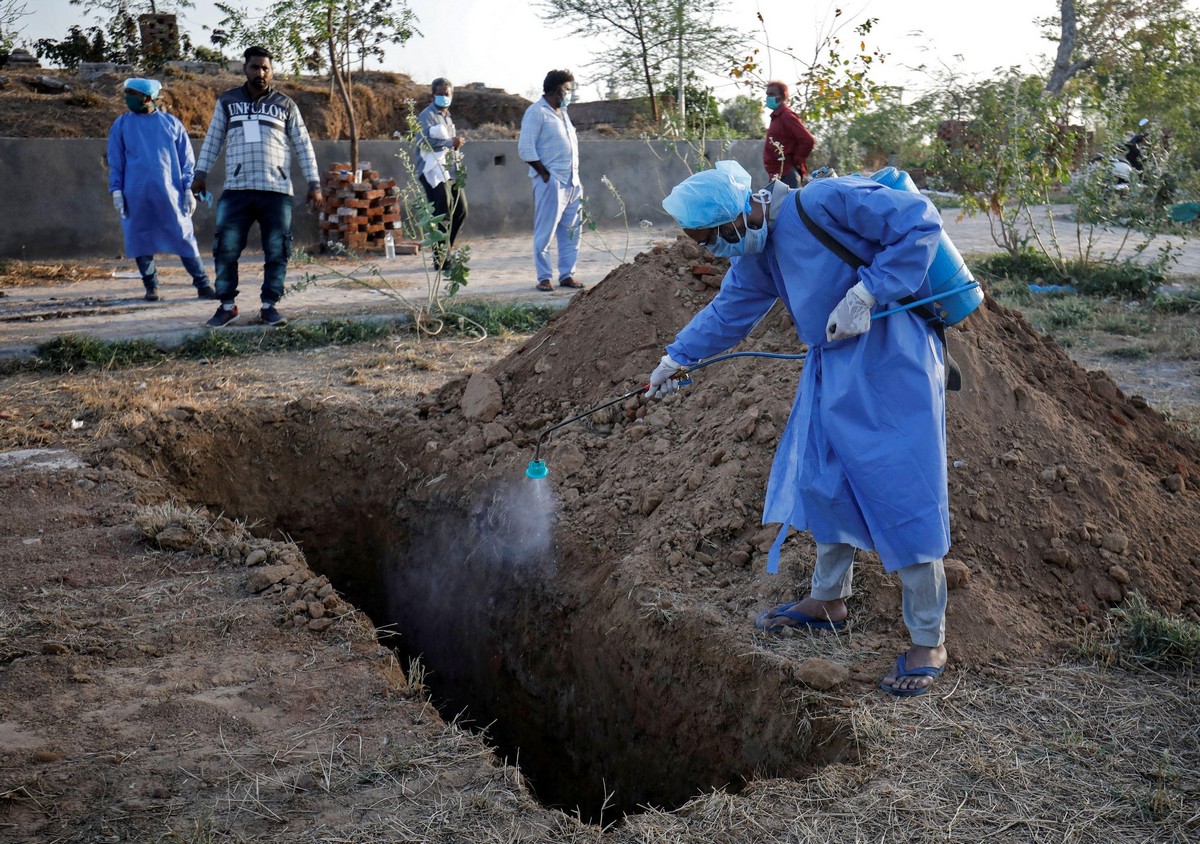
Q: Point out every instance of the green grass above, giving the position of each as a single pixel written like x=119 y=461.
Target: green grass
x=1130 y=353
x=498 y=319
x=1067 y=313
x=1174 y=305
x=1142 y=637
x=73 y=352
x=1122 y=322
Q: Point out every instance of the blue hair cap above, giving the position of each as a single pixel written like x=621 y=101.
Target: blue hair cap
x=149 y=87
x=711 y=197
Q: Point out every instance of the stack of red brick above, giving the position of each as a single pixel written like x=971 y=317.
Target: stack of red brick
x=358 y=214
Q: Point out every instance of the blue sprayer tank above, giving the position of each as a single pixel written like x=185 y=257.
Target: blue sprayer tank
x=948 y=271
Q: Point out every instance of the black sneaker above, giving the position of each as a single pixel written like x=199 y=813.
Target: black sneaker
x=206 y=292
x=272 y=317
x=151 y=294
x=223 y=317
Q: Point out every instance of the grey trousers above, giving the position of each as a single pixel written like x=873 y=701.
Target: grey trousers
x=923 y=593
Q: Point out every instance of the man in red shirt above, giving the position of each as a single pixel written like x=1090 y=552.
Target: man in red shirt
x=788 y=143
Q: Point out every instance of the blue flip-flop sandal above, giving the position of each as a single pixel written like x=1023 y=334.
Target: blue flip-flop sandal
x=799 y=620
x=902 y=671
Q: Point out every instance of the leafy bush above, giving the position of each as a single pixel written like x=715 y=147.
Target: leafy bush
x=1026 y=265
x=1125 y=279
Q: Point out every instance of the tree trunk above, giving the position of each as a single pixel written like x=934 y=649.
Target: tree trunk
x=344 y=93
x=641 y=36
x=1063 y=68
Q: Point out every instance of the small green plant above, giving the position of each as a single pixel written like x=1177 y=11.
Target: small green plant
x=592 y=228
x=1142 y=637
x=1068 y=312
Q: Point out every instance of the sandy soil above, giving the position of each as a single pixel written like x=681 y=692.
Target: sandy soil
x=247 y=601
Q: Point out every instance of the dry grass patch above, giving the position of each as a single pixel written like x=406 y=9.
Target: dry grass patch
x=1060 y=754
x=15 y=273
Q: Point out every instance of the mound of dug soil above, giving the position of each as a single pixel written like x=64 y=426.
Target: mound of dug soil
x=381 y=100
x=1066 y=494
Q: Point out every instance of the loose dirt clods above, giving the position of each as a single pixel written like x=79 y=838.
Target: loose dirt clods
x=199 y=615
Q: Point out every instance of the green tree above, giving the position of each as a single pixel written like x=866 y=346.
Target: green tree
x=1121 y=61
x=319 y=34
x=79 y=46
x=654 y=44
x=888 y=132
x=833 y=80
x=743 y=114
x=1013 y=150
x=119 y=19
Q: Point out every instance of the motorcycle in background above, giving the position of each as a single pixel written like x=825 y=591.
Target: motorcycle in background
x=1131 y=160
x=1131 y=175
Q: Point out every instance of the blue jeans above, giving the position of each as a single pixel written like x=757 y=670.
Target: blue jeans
x=194 y=267
x=237 y=210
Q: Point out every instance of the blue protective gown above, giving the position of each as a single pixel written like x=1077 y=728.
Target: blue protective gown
x=863 y=458
x=150 y=160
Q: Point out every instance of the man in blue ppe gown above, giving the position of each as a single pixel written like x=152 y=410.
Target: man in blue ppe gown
x=150 y=165
x=862 y=462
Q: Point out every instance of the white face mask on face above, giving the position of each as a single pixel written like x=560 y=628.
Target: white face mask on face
x=752 y=240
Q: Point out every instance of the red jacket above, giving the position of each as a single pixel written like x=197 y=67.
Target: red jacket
x=788 y=132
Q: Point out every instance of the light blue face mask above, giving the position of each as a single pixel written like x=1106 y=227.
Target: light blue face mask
x=772 y=103
x=442 y=101
x=751 y=242
x=566 y=99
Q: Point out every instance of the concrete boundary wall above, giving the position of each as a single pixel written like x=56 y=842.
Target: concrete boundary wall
x=54 y=200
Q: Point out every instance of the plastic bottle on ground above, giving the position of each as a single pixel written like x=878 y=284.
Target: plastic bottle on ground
x=389 y=246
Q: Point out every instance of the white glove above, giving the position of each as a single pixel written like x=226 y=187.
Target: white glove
x=119 y=202
x=189 y=203
x=661 y=382
x=852 y=316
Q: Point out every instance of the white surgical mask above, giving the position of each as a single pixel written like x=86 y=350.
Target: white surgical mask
x=752 y=240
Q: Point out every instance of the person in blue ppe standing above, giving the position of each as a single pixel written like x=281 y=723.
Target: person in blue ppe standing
x=150 y=166
x=549 y=146
x=260 y=128
x=862 y=462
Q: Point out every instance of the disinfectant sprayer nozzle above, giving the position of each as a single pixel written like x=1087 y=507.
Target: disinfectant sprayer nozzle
x=537 y=470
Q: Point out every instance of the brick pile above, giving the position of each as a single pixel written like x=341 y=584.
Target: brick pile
x=358 y=214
